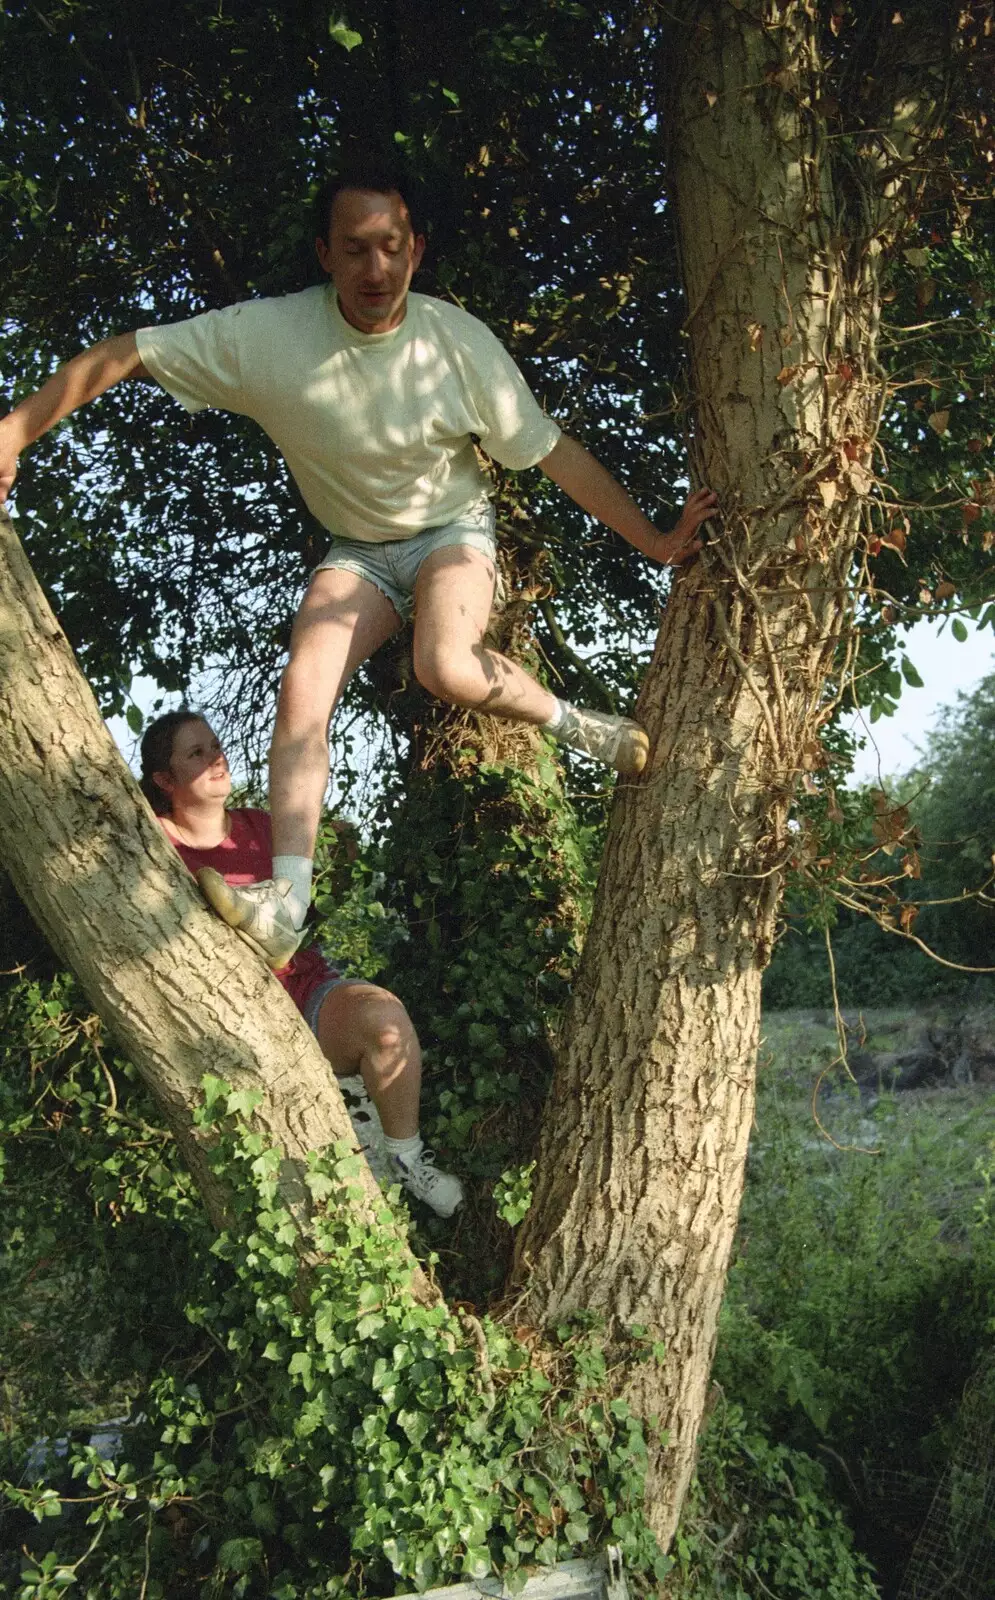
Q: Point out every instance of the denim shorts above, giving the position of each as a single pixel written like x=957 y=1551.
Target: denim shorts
x=319 y=994
x=393 y=566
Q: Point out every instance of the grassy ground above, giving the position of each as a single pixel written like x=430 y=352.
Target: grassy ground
x=861 y=1298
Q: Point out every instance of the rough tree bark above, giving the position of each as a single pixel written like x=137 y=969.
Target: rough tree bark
x=644 y=1141
x=179 y=991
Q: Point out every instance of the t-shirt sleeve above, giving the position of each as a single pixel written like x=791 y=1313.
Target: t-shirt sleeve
x=197 y=361
x=514 y=429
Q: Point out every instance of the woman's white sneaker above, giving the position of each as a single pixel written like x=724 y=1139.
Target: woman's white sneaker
x=422 y=1179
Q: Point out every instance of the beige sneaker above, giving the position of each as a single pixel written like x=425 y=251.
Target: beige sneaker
x=618 y=741
x=258 y=913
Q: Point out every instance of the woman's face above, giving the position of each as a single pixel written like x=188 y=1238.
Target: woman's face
x=198 y=768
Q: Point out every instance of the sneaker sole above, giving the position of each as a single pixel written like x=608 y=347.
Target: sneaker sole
x=219 y=897
x=633 y=754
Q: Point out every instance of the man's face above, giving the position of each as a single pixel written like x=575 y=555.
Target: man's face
x=370 y=255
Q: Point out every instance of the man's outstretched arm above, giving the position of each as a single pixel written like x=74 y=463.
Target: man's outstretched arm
x=585 y=480
x=69 y=387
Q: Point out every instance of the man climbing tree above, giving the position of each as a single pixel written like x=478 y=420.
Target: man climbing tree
x=373 y=397
x=800 y=140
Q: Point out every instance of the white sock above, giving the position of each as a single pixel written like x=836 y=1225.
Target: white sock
x=556 y=721
x=407 y=1150
x=299 y=870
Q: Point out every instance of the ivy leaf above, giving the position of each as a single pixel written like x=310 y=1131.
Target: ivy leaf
x=240 y=1555
x=242 y=1102
x=340 y=31
x=416 y=1425
x=300 y=1366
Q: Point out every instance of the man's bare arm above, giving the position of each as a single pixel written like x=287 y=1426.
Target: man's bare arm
x=585 y=480
x=69 y=387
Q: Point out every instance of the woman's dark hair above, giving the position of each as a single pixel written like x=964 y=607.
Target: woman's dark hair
x=373 y=177
x=157 y=753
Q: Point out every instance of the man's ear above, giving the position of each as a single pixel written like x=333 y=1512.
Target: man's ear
x=323 y=253
x=418 y=251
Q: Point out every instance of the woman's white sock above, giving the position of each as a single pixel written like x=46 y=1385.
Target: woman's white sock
x=406 y=1149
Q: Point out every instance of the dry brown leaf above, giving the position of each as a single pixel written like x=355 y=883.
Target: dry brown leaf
x=939 y=421
x=970 y=511
x=946 y=590
x=813 y=756
x=756 y=333
x=861 y=478
x=711 y=97
x=786 y=375
x=828 y=490
x=897 y=535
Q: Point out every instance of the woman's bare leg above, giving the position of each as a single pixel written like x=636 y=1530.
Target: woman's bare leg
x=365 y=1029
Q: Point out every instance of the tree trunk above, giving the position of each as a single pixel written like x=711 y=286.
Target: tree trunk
x=645 y=1135
x=179 y=991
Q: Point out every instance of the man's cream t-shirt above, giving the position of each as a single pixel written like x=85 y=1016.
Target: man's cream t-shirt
x=374 y=427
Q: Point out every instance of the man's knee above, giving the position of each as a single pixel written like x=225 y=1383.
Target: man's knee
x=447 y=673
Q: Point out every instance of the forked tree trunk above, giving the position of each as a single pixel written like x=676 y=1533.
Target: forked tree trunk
x=645 y=1136
x=179 y=991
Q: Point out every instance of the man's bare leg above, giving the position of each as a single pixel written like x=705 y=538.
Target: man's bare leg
x=453 y=600
x=342 y=620
x=452 y=606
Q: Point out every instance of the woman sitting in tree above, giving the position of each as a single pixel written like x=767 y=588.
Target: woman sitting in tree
x=364 y=1031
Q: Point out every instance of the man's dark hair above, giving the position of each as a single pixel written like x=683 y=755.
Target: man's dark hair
x=374 y=177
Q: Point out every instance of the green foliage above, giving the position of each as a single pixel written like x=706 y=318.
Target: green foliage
x=352 y=919
x=494 y=875
x=942 y=867
x=332 y=1439
x=760 y=1519
x=953 y=806
x=91 y=1192
x=513 y=1193
x=863 y=1289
